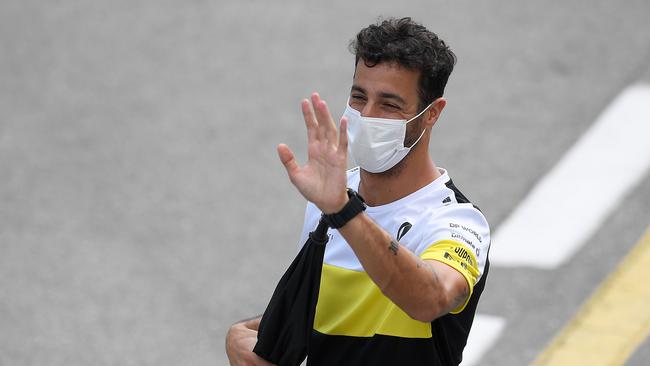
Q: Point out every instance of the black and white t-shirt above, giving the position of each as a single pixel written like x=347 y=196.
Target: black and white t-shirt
x=355 y=324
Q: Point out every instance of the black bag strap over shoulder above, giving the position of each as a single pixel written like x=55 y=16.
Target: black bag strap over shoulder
x=287 y=323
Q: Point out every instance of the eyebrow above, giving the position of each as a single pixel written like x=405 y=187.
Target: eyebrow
x=384 y=95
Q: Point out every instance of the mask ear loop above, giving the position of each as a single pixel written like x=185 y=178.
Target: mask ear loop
x=419 y=114
x=422 y=134
x=416 y=141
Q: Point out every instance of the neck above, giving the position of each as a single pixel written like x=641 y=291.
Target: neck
x=411 y=174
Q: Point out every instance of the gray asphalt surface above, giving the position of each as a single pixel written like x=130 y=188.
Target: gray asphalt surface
x=143 y=208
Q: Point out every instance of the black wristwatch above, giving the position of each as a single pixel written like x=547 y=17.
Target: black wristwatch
x=355 y=205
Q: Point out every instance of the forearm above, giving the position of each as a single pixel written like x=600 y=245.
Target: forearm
x=411 y=283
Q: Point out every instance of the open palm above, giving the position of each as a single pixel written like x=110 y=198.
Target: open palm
x=322 y=180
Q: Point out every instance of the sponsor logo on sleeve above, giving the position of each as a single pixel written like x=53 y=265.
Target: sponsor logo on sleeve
x=463 y=239
x=468 y=229
x=451 y=258
x=464 y=255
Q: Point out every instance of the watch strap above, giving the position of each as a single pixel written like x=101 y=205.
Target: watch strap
x=352 y=208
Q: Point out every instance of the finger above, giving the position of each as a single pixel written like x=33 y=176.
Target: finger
x=288 y=160
x=326 y=125
x=310 y=121
x=326 y=120
x=343 y=137
x=254 y=323
x=322 y=125
x=313 y=130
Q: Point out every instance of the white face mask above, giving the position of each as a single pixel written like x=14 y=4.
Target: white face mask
x=377 y=144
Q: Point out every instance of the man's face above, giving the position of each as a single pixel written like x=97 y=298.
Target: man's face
x=387 y=90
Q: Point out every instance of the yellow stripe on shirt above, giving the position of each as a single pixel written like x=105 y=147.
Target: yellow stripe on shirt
x=350 y=304
x=457 y=256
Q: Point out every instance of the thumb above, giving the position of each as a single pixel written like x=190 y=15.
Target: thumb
x=288 y=159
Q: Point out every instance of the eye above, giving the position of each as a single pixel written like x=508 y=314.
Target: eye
x=357 y=97
x=391 y=106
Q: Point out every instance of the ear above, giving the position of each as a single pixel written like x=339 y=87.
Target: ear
x=434 y=112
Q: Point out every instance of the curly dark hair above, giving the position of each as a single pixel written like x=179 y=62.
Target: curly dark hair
x=410 y=45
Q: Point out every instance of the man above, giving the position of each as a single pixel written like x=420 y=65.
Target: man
x=401 y=279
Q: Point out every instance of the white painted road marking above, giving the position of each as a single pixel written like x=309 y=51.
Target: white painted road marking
x=572 y=200
x=485 y=331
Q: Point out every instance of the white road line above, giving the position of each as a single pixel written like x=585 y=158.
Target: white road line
x=485 y=331
x=572 y=200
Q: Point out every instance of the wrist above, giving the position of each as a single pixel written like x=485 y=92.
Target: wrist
x=338 y=206
x=353 y=205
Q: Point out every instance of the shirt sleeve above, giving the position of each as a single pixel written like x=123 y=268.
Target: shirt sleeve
x=460 y=238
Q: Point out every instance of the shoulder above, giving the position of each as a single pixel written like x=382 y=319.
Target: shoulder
x=460 y=222
x=459 y=213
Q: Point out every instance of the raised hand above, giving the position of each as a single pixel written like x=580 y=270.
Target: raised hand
x=322 y=180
